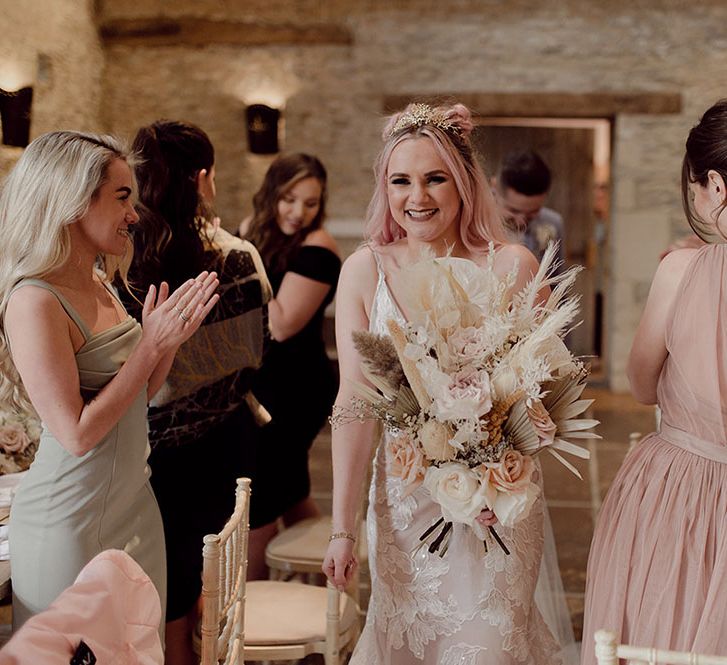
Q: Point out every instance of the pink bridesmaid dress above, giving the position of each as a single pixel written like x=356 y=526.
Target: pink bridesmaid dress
x=657 y=572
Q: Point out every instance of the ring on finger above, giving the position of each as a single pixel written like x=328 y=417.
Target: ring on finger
x=181 y=313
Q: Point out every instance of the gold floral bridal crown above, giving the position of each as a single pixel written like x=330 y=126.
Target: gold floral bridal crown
x=423 y=114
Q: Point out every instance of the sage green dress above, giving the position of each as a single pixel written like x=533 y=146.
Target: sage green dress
x=68 y=509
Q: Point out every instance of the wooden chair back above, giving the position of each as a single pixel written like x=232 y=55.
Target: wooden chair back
x=224 y=569
x=609 y=651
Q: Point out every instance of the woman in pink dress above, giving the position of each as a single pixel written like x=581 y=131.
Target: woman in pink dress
x=657 y=573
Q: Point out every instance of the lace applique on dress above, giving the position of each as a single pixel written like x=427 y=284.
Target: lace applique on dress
x=466 y=608
x=462 y=654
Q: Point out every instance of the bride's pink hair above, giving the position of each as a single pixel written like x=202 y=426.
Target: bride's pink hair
x=480 y=220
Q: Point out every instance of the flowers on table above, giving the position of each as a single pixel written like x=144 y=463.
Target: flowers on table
x=475 y=384
x=19 y=437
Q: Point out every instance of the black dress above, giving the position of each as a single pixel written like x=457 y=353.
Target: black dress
x=202 y=430
x=297 y=384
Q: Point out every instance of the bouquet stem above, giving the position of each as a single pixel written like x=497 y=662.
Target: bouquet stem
x=437 y=539
x=498 y=539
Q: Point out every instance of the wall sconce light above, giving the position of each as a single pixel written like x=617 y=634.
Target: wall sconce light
x=15 y=116
x=262 y=129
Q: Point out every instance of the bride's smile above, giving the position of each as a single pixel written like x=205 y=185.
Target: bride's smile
x=423 y=197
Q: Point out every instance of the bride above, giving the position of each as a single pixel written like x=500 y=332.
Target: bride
x=467 y=607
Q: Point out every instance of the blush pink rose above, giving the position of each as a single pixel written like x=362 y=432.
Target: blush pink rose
x=13 y=438
x=541 y=421
x=405 y=460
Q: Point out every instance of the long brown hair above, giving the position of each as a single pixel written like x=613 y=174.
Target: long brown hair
x=264 y=232
x=168 y=239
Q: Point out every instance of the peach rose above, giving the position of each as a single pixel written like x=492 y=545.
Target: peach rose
x=512 y=473
x=509 y=490
x=541 y=421
x=405 y=460
x=13 y=438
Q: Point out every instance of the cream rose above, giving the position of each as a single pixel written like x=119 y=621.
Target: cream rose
x=511 y=507
x=457 y=490
x=13 y=438
x=405 y=460
x=541 y=421
x=434 y=438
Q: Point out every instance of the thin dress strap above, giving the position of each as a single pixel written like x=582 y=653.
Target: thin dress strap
x=67 y=307
x=384 y=307
x=377 y=258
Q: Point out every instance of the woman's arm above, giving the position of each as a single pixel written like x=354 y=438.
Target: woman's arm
x=40 y=337
x=299 y=297
x=351 y=443
x=648 y=351
x=159 y=374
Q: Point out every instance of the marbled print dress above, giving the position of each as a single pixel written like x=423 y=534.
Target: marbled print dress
x=467 y=608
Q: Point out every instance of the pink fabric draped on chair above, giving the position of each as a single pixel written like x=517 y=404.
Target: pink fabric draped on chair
x=113 y=607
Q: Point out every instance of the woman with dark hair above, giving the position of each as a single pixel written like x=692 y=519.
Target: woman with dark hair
x=296 y=383
x=70 y=353
x=202 y=422
x=657 y=572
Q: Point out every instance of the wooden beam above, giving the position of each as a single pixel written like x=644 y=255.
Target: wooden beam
x=198 y=33
x=551 y=104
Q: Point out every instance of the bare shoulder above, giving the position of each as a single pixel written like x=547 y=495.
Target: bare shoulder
x=321 y=238
x=33 y=301
x=32 y=311
x=512 y=254
x=360 y=265
x=672 y=267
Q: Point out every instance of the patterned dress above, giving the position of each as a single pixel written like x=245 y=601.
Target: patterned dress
x=466 y=608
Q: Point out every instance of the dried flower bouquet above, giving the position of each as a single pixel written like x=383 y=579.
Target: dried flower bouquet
x=473 y=386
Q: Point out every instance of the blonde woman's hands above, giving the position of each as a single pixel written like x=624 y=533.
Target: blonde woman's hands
x=339 y=562
x=170 y=320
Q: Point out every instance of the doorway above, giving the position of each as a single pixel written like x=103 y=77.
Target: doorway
x=578 y=152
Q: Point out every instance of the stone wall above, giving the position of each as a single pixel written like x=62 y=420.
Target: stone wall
x=54 y=46
x=329 y=66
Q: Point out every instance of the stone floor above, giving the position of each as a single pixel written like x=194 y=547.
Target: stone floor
x=573 y=503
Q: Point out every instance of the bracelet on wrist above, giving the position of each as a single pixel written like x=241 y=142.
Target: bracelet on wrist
x=342 y=534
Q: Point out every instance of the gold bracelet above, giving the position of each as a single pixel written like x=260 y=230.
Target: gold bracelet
x=342 y=534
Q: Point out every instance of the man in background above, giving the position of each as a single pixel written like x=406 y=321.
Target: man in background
x=522 y=187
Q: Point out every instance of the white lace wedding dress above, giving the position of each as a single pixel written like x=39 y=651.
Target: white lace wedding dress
x=465 y=608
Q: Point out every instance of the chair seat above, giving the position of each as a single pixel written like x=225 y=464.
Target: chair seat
x=290 y=613
x=307 y=542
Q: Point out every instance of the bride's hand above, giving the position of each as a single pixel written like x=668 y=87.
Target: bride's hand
x=339 y=562
x=487 y=518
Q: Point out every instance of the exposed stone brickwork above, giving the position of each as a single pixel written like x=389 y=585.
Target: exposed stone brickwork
x=52 y=45
x=332 y=95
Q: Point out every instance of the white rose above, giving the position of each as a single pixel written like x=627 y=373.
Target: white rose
x=511 y=507
x=457 y=490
